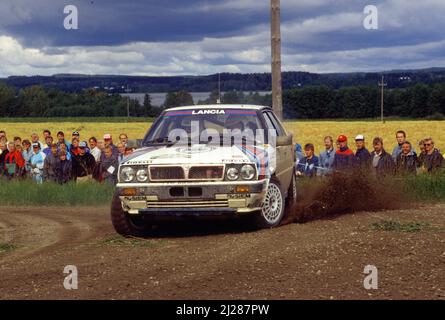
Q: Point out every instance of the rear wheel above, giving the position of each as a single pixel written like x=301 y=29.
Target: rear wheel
x=124 y=223
x=272 y=211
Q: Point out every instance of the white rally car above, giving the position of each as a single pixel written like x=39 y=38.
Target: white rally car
x=207 y=161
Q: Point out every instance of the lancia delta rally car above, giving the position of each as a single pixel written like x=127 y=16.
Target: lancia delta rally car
x=207 y=161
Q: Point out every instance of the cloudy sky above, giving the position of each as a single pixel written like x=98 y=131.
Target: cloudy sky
x=189 y=37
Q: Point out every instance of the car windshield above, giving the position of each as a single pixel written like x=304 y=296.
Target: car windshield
x=204 y=126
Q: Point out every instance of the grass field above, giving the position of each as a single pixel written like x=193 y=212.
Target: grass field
x=304 y=131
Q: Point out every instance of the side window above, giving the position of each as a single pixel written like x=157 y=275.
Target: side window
x=273 y=123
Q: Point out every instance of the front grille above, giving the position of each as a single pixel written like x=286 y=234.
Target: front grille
x=188 y=204
x=206 y=173
x=166 y=173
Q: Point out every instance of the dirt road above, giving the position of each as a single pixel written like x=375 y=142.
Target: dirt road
x=321 y=259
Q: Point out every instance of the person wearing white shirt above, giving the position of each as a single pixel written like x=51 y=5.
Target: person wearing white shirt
x=94 y=149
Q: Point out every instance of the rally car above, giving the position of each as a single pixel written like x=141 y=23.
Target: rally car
x=207 y=161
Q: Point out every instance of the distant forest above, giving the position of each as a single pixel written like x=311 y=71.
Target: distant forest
x=229 y=81
x=413 y=94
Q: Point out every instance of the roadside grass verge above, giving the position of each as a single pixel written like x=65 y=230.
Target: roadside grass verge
x=27 y=193
x=6 y=247
x=117 y=240
x=358 y=193
x=426 y=187
x=391 y=225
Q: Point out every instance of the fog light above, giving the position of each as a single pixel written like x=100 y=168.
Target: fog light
x=129 y=192
x=242 y=189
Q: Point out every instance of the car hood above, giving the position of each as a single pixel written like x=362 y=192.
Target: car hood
x=199 y=154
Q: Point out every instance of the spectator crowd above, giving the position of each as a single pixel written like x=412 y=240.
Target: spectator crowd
x=404 y=160
x=61 y=160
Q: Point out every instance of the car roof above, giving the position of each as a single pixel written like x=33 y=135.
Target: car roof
x=220 y=106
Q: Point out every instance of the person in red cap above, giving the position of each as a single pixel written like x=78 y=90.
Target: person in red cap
x=344 y=157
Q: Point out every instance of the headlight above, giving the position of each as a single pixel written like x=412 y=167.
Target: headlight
x=232 y=174
x=247 y=172
x=142 y=175
x=127 y=174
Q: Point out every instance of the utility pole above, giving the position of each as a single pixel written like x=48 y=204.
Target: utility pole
x=277 y=91
x=219 y=89
x=128 y=101
x=383 y=85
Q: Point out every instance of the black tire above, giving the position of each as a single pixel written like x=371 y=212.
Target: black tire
x=291 y=200
x=272 y=212
x=123 y=223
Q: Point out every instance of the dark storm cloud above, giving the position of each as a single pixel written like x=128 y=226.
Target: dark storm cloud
x=166 y=37
x=112 y=22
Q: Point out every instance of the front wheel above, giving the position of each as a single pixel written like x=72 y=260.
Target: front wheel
x=272 y=211
x=123 y=223
x=291 y=200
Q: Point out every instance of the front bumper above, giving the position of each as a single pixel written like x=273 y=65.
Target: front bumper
x=192 y=198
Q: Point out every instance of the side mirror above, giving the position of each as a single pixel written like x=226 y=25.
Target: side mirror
x=284 y=140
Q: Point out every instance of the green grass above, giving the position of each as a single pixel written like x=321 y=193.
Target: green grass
x=423 y=188
x=6 y=247
x=391 y=225
x=117 y=240
x=426 y=187
x=25 y=193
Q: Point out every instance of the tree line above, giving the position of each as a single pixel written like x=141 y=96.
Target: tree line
x=35 y=101
x=226 y=81
x=322 y=102
x=312 y=102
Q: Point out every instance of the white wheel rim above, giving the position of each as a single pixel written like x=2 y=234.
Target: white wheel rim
x=273 y=204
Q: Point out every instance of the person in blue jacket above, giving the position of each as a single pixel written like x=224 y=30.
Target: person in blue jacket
x=309 y=164
x=327 y=157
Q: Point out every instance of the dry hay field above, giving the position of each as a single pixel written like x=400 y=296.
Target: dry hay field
x=303 y=131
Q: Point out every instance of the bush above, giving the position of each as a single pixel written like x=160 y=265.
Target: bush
x=437 y=116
